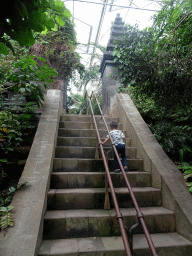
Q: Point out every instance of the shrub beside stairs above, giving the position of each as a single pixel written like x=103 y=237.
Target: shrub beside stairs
x=76 y=223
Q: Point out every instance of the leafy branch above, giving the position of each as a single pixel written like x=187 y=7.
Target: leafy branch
x=22 y=19
x=6 y=219
x=29 y=78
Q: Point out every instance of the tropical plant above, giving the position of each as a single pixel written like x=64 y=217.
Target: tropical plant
x=183 y=152
x=2 y=173
x=58 y=48
x=186 y=168
x=10 y=134
x=78 y=104
x=30 y=76
x=6 y=219
x=20 y=20
x=18 y=122
x=6 y=196
x=172 y=128
x=157 y=60
x=87 y=77
x=134 y=55
x=172 y=32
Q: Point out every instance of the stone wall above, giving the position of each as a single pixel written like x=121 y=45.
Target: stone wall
x=61 y=85
x=165 y=175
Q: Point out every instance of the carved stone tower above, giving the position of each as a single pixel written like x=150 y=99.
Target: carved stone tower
x=108 y=69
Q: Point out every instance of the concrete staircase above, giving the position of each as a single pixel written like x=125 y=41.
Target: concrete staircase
x=76 y=223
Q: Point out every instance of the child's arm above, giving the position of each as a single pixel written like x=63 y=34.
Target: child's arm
x=104 y=141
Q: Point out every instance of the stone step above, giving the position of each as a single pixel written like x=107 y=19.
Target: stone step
x=84 y=118
x=86 y=223
x=85 y=125
x=85 y=141
x=91 y=165
x=63 y=132
x=167 y=244
x=60 y=180
x=87 y=152
x=93 y=198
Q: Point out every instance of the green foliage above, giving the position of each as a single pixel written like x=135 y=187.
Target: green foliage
x=172 y=128
x=29 y=78
x=6 y=219
x=6 y=196
x=185 y=167
x=87 y=76
x=58 y=48
x=2 y=173
x=171 y=136
x=172 y=30
x=183 y=152
x=10 y=134
x=132 y=54
x=20 y=19
x=17 y=126
x=27 y=117
x=157 y=61
x=187 y=172
x=78 y=104
x=155 y=69
x=95 y=106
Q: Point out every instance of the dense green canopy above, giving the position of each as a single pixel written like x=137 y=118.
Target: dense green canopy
x=157 y=61
x=19 y=19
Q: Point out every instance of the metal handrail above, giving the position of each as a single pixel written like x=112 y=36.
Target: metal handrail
x=118 y=213
x=135 y=203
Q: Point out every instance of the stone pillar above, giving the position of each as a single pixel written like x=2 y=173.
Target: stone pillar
x=61 y=84
x=108 y=69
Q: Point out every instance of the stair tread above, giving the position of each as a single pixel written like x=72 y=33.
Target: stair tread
x=77 y=213
x=94 y=190
x=161 y=240
x=71 y=137
x=75 y=246
x=94 y=173
x=91 y=159
x=96 y=179
x=84 y=129
x=87 y=122
x=79 y=147
x=91 y=164
x=82 y=115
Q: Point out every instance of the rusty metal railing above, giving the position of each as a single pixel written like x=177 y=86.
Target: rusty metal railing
x=127 y=243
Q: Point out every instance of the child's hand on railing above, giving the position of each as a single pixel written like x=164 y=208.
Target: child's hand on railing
x=104 y=141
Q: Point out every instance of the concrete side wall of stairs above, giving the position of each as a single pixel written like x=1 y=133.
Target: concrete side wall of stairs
x=165 y=175
x=30 y=202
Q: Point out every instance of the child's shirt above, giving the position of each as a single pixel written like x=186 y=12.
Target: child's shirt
x=117 y=137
